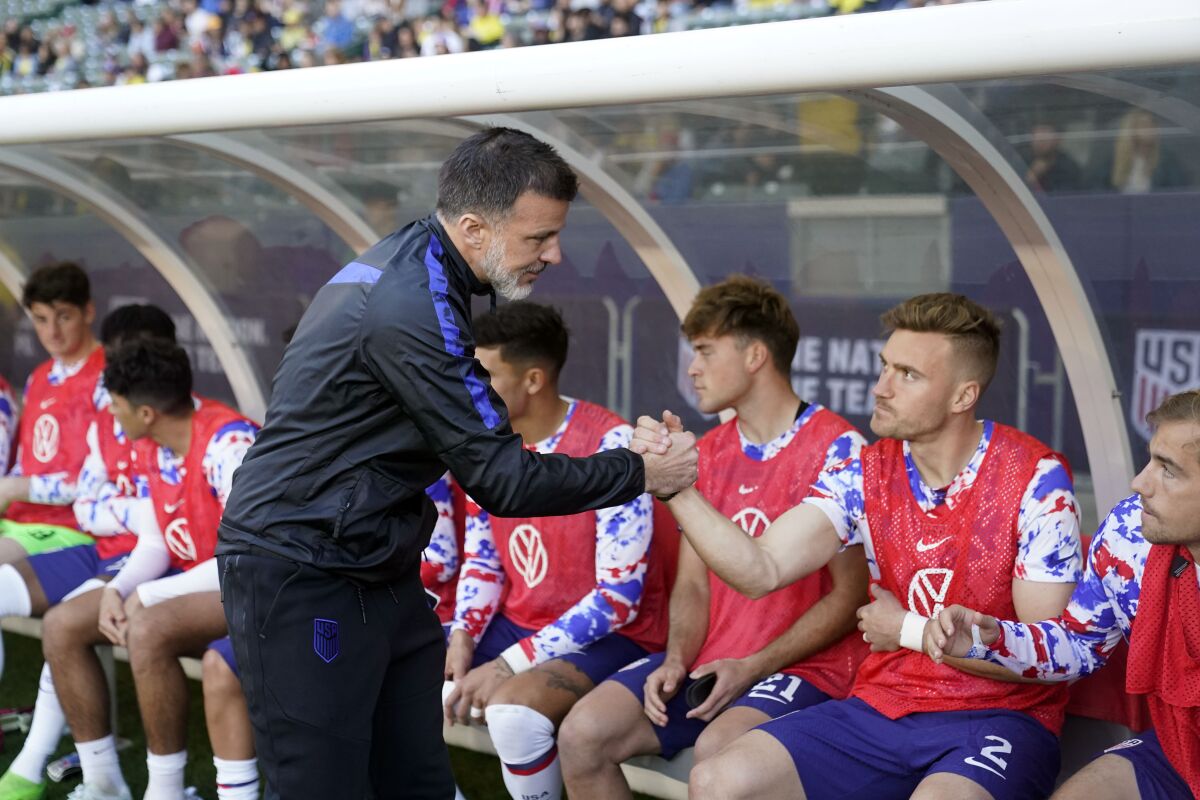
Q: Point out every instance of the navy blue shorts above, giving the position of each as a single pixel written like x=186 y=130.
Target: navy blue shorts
x=775 y=695
x=846 y=749
x=597 y=661
x=63 y=571
x=1156 y=778
x=224 y=648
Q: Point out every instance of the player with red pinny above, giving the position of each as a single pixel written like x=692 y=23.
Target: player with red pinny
x=765 y=657
x=104 y=494
x=947 y=508
x=185 y=452
x=1141 y=585
x=548 y=607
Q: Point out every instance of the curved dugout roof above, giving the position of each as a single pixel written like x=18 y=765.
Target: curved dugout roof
x=846 y=201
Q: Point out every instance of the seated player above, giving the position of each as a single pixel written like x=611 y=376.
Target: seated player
x=62 y=397
x=225 y=712
x=104 y=494
x=1142 y=584
x=547 y=607
x=948 y=509
x=8 y=425
x=185 y=453
x=771 y=656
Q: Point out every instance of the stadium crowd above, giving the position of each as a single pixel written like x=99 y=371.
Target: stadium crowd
x=817 y=615
x=135 y=42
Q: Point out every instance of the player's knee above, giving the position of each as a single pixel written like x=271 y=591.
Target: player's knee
x=519 y=733
x=63 y=629
x=709 y=743
x=144 y=638
x=586 y=735
x=512 y=692
x=716 y=779
x=216 y=676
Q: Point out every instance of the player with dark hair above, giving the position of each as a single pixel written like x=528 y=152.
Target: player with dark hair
x=185 y=452
x=948 y=509
x=104 y=495
x=1141 y=585
x=548 y=607
x=766 y=657
x=62 y=396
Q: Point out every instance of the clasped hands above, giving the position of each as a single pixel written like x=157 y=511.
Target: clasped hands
x=669 y=453
x=951 y=632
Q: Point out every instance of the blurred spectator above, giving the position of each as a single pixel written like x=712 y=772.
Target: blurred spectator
x=1138 y=161
x=406 y=42
x=166 y=37
x=136 y=71
x=485 y=29
x=25 y=65
x=1050 y=169
x=141 y=38
x=333 y=30
x=440 y=37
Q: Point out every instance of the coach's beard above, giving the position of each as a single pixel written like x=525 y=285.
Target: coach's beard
x=508 y=283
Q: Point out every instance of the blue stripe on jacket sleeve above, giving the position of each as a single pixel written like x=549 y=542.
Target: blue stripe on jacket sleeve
x=357 y=272
x=450 y=332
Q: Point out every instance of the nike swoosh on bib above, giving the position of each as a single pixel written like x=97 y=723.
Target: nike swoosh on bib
x=922 y=547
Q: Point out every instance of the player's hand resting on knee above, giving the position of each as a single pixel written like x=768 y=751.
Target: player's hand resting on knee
x=661 y=685
x=475 y=690
x=114 y=616
x=956 y=630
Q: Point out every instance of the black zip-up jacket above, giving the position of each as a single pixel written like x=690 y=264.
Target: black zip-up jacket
x=377 y=395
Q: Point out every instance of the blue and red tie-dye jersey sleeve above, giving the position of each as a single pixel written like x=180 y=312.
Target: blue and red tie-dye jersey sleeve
x=8 y=427
x=481 y=581
x=102 y=508
x=623 y=536
x=224 y=454
x=1048 y=549
x=838 y=492
x=1100 y=612
x=440 y=563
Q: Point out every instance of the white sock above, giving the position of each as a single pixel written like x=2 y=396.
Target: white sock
x=524 y=741
x=14 y=599
x=44 y=732
x=236 y=780
x=101 y=770
x=165 y=776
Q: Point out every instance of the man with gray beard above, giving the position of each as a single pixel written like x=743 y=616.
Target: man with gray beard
x=378 y=394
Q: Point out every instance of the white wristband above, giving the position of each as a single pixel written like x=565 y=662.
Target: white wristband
x=978 y=650
x=912 y=632
x=516 y=659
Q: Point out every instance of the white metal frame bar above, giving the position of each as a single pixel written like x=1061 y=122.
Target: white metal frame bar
x=253 y=152
x=167 y=259
x=971 y=41
x=1001 y=189
x=12 y=276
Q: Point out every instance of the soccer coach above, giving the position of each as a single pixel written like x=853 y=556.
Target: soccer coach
x=378 y=393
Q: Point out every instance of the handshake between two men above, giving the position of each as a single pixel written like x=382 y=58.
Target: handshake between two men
x=671 y=460
x=669 y=452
